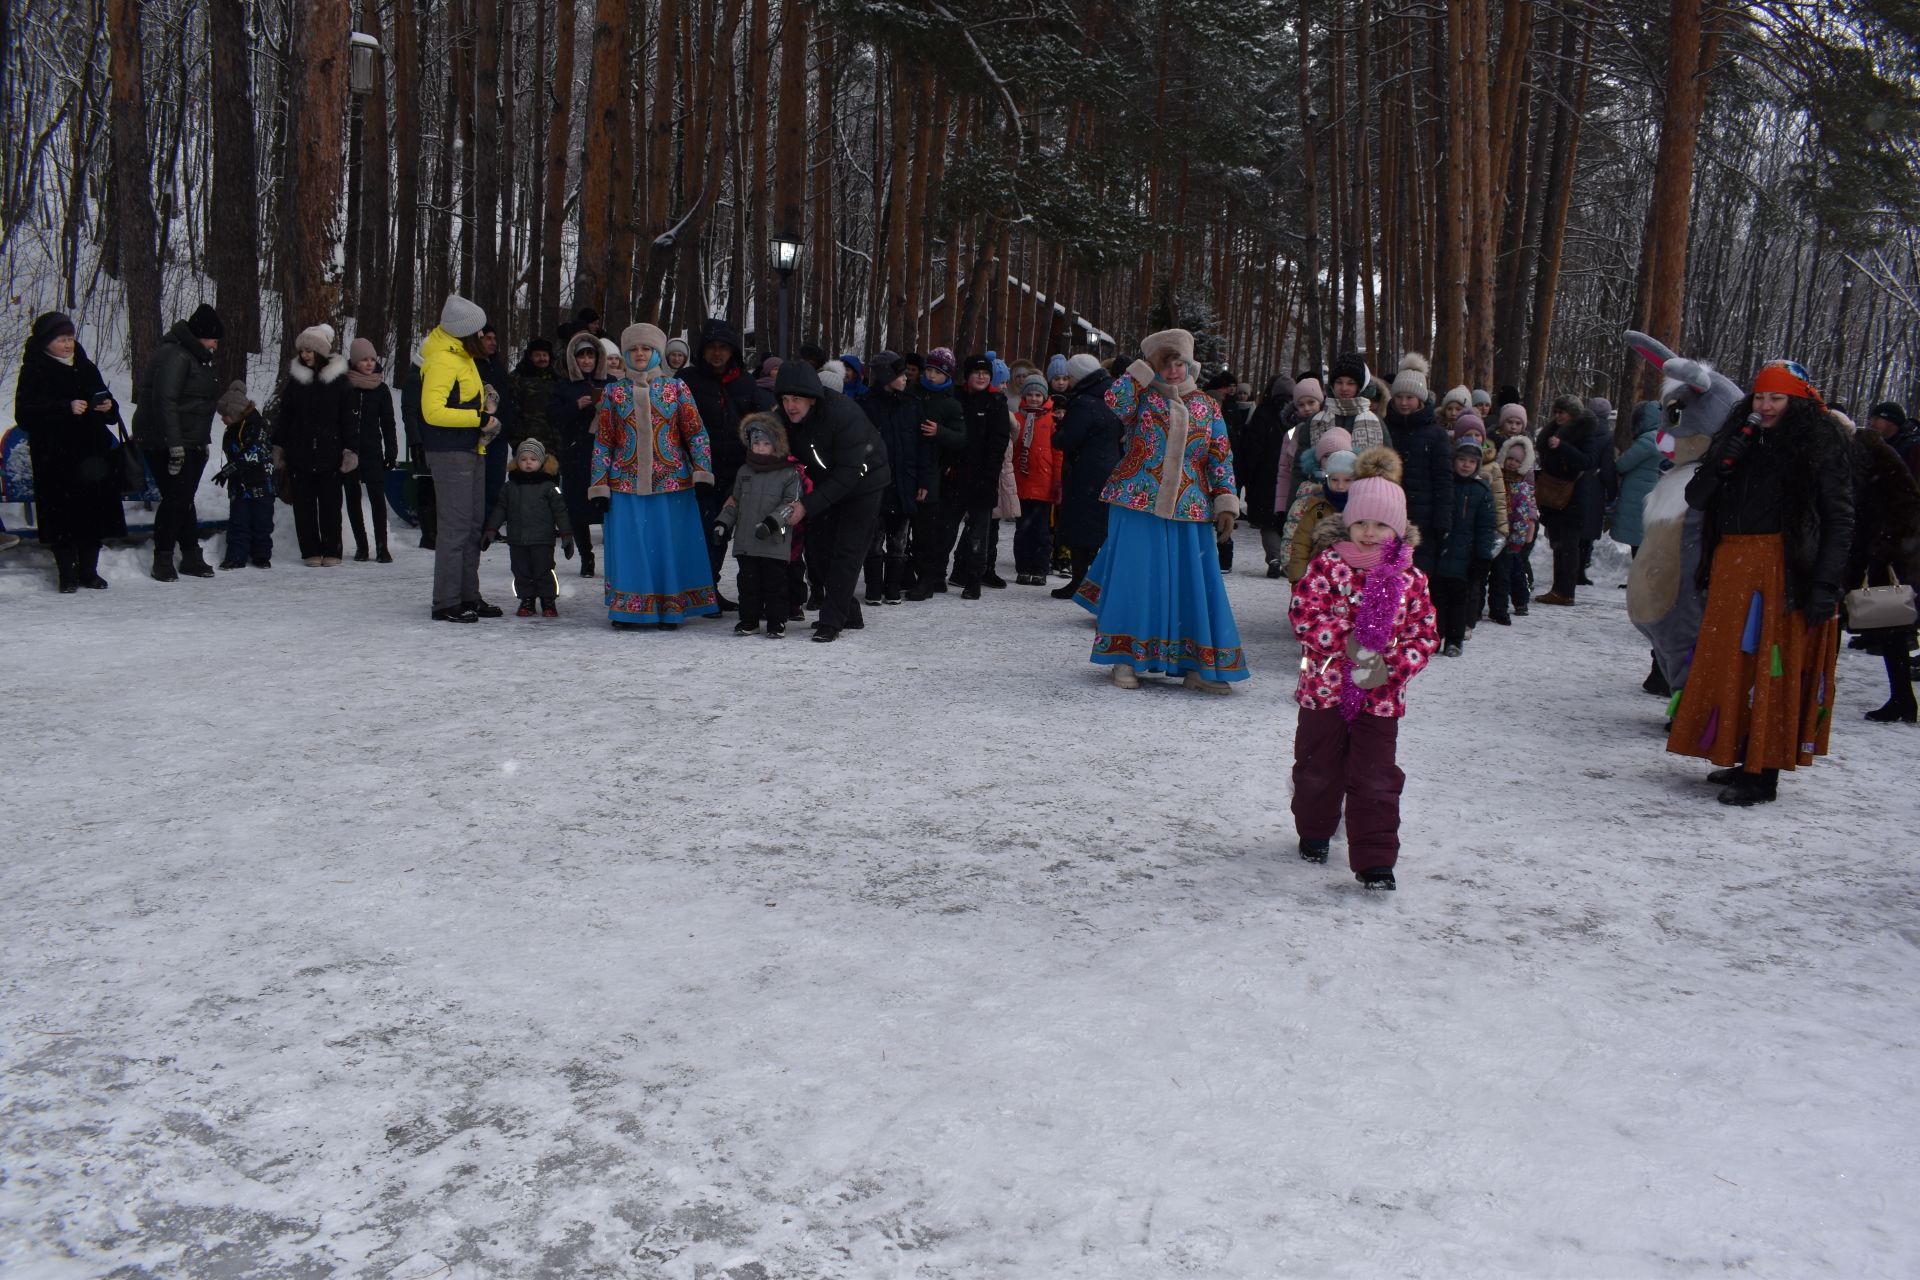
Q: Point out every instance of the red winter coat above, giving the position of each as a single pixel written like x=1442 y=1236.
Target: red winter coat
x=1036 y=463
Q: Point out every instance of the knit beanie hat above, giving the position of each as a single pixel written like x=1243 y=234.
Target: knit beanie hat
x=1891 y=411
x=318 y=339
x=1082 y=367
x=1352 y=366
x=1332 y=441
x=1309 y=387
x=1000 y=371
x=978 y=364
x=1602 y=409
x=1464 y=446
x=233 y=401
x=680 y=345
x=540 y=344
x=885 y=367
x=530 y=448
x=362 y=350
x=833 y=376
x=1341 y=462
x=1034 y=382
x=610 y=352
x=1513 y=413
x=1469 y=424
x=1378 y=498
x=460 y=317
x=940 y=358
x=205 y=323
x=1412 y=378
x=1460 y=396
x=1056 y=367
x=1482 y=400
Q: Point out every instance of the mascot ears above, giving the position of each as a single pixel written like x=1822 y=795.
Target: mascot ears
x=1649 y=349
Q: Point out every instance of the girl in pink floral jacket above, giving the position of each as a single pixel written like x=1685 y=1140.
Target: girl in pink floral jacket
x=1366 y=626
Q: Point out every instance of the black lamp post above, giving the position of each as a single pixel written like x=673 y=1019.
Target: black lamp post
x=786 y=256
x=363 y=52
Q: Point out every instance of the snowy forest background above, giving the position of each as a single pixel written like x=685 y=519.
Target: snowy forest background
x=1507 y=184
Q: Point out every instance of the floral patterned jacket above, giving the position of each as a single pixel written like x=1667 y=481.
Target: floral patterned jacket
x=1523 y=513
x=648 y=438
x=1203 y=485
x=1322 y=613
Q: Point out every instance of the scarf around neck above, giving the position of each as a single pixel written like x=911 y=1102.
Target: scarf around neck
x=1373 y=621
x=1179 y=424
x=365 y=381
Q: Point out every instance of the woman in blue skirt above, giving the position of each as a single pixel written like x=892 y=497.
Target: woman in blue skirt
x=1155 y=588
x=649 y=450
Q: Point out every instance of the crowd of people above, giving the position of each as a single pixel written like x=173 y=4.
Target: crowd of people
x=1402 y=516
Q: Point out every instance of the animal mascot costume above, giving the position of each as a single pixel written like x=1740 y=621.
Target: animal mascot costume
x=1662 y=598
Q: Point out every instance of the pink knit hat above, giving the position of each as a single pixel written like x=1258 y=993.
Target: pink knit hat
x=1332 y=441
x=1377 y=498
x=1309 y=387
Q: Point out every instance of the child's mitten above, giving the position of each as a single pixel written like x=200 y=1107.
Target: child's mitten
x=566 y=547
x=1369 y=668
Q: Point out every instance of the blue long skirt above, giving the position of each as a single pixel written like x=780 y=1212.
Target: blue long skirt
x=1156 y=592
x=656 y=559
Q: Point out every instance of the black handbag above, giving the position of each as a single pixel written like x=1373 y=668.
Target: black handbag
x=132 y=463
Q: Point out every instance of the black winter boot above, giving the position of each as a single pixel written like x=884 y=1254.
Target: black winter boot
x=87 y=566
x=1314 y=850
x=66 y=565
x=1656 y=681
x=1753 y=788
x=1379 y=878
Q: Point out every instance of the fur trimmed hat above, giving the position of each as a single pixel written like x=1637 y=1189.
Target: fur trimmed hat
x=651 y=336
x=1529 y=457
x=1411 y=380
x=1156 y=347
x=461 y=317
x=51 y=325
x=764 y=426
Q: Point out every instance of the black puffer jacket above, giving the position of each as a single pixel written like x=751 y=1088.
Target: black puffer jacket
x=1089 y=441
x=1256 y=454
x=1426 y=461
x=174 y=403
x=573 y=425
x=843 y=453
x=972 y=477
x=373 y=437
x=316 y=421
x=910 y=455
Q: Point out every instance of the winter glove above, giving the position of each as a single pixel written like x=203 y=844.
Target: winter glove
x=488 y=538
x=1735 y=446
x=1142 y=374
x=176 y=459
x=719 y=532
x=1822 y=602
x=489 y=428
x=490 y=401
x=566 y=547
x=600 y=505
x=349 y=461
x=1369 y=668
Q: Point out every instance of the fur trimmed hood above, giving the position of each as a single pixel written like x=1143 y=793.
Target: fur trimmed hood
x=1528 y=460
x=1379 y=461
x=334 y=369
x=770 y=422
x=584 y=341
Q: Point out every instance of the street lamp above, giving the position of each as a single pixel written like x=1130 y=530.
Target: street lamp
x=362 y=53
x=786 y=256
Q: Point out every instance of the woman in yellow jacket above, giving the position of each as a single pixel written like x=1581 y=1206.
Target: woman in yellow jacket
x=458 y=410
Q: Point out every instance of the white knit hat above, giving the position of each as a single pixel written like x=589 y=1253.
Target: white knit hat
x=1082 y=366
x=318 y=339
x=1412 y=378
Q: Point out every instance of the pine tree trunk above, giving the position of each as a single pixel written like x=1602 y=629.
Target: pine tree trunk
x=559 y=146
x=826 y=261
x=485 y=111
x=312 y=195
x=406 y=239
x=604 y=80
x=1570 y=107
x=1310 y=184
x=132 y=183
x=893 y=271
x=233 y=249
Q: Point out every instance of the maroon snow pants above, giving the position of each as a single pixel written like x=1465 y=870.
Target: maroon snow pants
x=1335 y=762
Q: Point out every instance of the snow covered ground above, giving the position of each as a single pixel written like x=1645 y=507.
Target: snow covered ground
x=339 y=943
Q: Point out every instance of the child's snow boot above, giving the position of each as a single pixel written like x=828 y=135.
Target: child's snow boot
x=1378 y=878
x=548 y=611
x=745 y=628
x=525 y=610
x=1314 y=850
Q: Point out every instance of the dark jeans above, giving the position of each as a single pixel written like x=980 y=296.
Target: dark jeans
x=175 y=522
x=249 y=531
x=316 y=512
x=374 y=481
x=838 y=539
x=762 y=585
x=931 y=541
x=1456 y=600
x=972 y=526
x=1507 y=585
x=1033 y=538
x=1336 y=764
x=533 y=572
x=887 y=556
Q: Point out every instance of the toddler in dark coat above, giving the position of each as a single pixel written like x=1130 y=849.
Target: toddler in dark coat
x=248 y=476
x=1466 y=555
x=534 y=514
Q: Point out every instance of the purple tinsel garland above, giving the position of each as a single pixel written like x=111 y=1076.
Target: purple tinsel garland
x=1373 y=621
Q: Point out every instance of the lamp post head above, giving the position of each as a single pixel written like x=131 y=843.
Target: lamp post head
x=362 y=52
x=786 y=254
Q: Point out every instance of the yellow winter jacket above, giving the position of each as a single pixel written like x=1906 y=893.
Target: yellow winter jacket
x=452 y=395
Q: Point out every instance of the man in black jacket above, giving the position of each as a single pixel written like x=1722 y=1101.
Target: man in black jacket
x=724 y=394
x=941 y=422
x=971 y=486
x=847 y=462
x=174 y=424
x=1426 y=464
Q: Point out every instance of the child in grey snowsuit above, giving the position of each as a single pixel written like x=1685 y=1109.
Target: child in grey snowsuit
x=761 y=506
x=534 y=513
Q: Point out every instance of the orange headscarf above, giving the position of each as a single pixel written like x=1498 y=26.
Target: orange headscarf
x=1788 y=378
